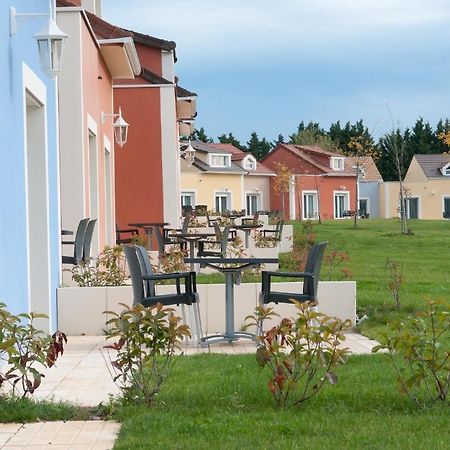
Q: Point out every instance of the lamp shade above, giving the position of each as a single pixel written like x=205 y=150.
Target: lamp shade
x=50 y=40
x=189 y=154
x=120 y=130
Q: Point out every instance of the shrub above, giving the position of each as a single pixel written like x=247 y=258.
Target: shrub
x=108 y=270
x=335 y=259
x=145 y=344
x=26 y=350
x=300 y=248
x=262 y=241
x=394 y=275
x=300 y=352
x=173 y=260
x=420 y=351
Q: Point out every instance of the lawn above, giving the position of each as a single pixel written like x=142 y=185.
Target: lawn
x=424 y=256
x=222 y=402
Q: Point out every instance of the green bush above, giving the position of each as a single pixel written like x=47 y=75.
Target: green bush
x=145 y=344
x=300 y=352
x=26 y=350
x=108 y=270
x=419 y=348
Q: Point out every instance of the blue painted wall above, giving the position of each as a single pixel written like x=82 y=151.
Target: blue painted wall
x=13 y=234
x=371 y=190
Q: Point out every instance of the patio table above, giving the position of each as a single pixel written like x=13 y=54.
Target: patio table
x=247 y=230
x=148 y=229
x=192 y=238
x=230 y=272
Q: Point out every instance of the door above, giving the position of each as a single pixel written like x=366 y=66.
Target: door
x=363 y=212
x=446 y=214
x=413 y=208
x=340 y=204
x=252 y=204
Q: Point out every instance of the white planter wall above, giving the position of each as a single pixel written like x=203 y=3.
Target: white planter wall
x=80 y=310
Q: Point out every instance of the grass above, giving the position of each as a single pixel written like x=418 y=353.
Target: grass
x=29 y=410
x=423 y=254
x=222 y=402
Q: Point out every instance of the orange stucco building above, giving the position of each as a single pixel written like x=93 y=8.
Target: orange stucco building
x=323 y=183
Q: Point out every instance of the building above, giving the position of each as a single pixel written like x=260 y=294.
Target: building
x=323 y=183
x=87 y=113
x=427 y=189
x=223 y=178
x=369 y=185
x=29 y=185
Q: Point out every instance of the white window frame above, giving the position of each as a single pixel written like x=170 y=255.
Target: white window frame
x=445 y=196
x=419 y=206
x=337 y=163
x=346 y=202
x=227 y=157
x=192 y=194
x=446 y=170
x=259 y=202
x=249 y=163
x=315 y=204
x=223 y=194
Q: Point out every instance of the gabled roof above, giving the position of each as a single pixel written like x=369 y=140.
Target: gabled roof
x=152 y=41
x=67 y=3
x=370 y=170
x=237 y=155
x=431 y=164
x=153 y=78
x=105 y=30
x=312 y=155
x=184 y=93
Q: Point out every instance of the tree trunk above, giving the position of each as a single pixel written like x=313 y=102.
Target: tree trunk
x=356 y=202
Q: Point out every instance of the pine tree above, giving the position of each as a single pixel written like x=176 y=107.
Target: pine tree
x=200 y=135
x=230 y=139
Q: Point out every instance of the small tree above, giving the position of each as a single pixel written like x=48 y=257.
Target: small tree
x=282 y=182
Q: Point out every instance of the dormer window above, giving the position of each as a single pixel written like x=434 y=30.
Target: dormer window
x=337 y=163
x=219 y=160
x=446 y=170
x=249 y=163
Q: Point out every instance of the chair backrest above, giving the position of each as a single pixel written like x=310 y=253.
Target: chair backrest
x=146 y=269
x=88 y=240
x=313 y=265
x=135 y=272
x=279 y=229
x=184 y=228
x=159 y=239
x=224 y=241
x=217 y=231
x=79 y=240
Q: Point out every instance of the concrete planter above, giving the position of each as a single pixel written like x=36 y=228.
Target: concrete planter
x=80 y=310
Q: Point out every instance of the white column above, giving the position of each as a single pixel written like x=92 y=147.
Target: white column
x=292 y=198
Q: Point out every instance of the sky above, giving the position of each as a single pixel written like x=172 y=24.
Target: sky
x=265 y=65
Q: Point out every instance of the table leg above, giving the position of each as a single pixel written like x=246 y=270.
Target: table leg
x=247 y=233
x=192 y=253
x=229 y=306
x=149 y=233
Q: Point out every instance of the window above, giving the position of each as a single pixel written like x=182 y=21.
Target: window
x=249 y=163
x=446 y=213
x=412 y=207
x=363 y=210
x=222 y=201
x=310 y=205
x=253 y=203
x=219 y=160
x=446 y=170
x=340 y=204
x=337 y=163
x=187 y=199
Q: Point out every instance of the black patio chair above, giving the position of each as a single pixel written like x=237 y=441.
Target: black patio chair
x=210 y=220
x=310 y=283
x=221 y=244
x=276 y=232
x=78 y=244
x=163 y=240
x=131 y=234
x=88 y=240
x=144 y=292
x=251 y=220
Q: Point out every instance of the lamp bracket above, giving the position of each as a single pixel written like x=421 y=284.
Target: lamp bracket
x=106 y=115
x=13 y=16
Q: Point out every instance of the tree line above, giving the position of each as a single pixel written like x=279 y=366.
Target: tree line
x=420 y=138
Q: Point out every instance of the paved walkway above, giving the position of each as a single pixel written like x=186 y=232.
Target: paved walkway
x=81 y=376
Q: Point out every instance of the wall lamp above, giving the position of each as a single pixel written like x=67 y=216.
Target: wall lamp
x=120 y=127
x=50 y=39
x=189 y=154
